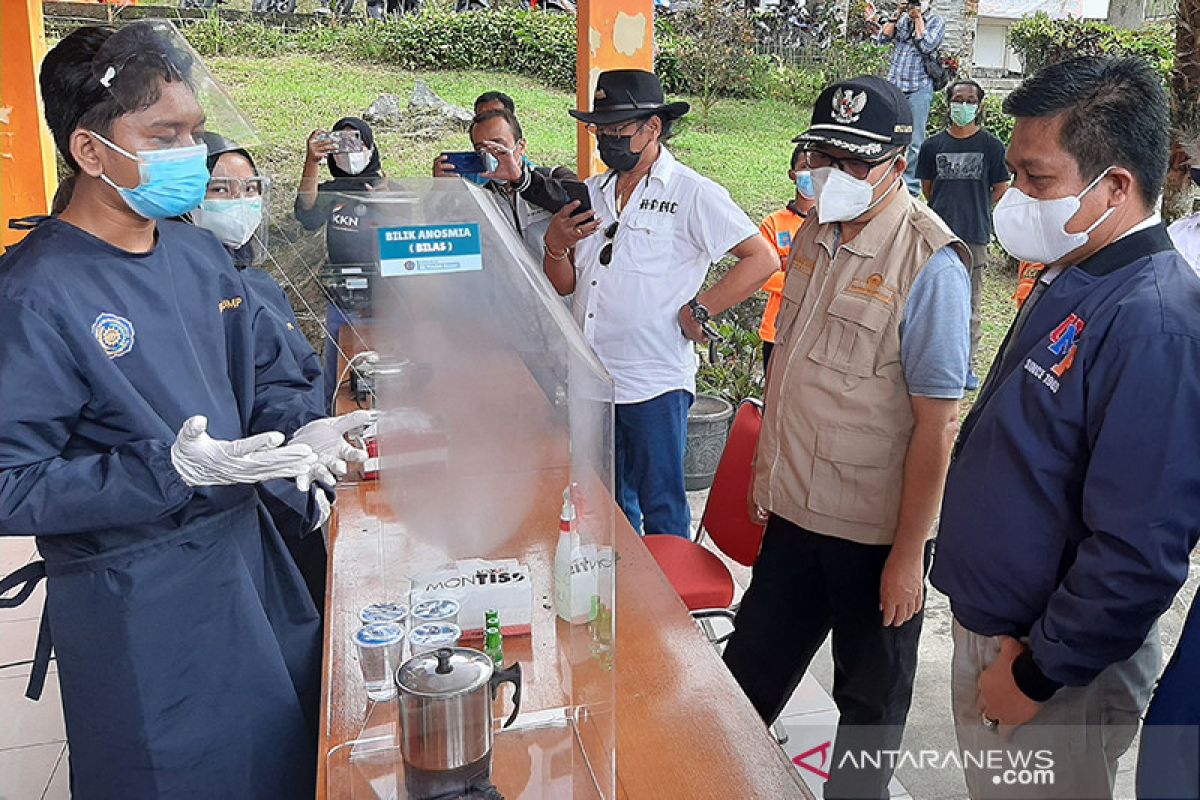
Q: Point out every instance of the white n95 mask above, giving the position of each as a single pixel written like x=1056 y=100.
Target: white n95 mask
x=842 y=197
x=353 y=163
x=233 y=222
x=1036 y=230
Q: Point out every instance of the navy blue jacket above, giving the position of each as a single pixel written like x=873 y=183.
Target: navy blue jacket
x=295 y=515
x=189 y=650
x=1073 y=499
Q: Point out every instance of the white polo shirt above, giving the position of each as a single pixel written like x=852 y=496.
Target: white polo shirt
x=1185 y=233
x=675 y=225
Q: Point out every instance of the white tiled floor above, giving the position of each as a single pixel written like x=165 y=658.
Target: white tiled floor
x=33 y=764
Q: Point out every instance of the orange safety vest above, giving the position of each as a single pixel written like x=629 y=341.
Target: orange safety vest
x=1027 y=278
x=779 y=229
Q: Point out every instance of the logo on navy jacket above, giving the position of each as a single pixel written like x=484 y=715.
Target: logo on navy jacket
x=1064 y=342
x=114 y=333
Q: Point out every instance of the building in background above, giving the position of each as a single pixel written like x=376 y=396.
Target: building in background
x=994 y=57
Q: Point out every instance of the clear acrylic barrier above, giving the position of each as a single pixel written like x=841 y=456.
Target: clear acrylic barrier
x=491 y=406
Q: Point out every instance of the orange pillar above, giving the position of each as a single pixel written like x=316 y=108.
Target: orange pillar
x=27 y=167
x=613 y=34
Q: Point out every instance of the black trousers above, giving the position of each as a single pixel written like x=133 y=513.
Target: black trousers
x=806 y=585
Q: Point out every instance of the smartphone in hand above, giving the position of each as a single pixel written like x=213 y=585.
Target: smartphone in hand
x=344 y=141
x=466 y=163
x=578 y=190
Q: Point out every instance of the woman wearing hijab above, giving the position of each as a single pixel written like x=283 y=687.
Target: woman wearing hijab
x=232 y=210
x=350 y=240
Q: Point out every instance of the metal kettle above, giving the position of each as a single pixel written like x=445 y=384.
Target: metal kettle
x=446 y=700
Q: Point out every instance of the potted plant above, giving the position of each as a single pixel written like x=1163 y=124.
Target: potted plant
x=729 y=372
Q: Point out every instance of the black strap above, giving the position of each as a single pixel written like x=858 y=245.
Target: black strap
x=27 y=578
x=27 y=223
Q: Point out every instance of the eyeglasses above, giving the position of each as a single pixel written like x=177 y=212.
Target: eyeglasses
x=606 y=251
x=854 y=167
x=238 y=187
x=618 y=128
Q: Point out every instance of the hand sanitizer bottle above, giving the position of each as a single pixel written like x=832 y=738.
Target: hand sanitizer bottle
x=568 y=547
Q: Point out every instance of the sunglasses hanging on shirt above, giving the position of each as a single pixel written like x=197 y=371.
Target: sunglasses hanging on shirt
x=606 y=252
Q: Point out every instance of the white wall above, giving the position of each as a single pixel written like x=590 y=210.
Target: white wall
x=991 y=45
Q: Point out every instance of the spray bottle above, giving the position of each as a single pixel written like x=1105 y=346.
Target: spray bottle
x=564 y=556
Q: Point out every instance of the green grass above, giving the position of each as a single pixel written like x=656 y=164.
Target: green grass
x=746 y=148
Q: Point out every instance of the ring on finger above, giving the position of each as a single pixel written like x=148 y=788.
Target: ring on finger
x=578 y=231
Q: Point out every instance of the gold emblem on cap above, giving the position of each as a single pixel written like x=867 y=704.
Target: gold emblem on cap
x=601 y=94
x=848 y=106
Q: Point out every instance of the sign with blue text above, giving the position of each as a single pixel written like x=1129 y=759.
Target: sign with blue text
x=429 y=250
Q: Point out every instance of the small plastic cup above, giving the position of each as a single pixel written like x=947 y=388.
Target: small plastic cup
x=433 y=636
x=380 y=653
x=436 y=609
x=379 y=613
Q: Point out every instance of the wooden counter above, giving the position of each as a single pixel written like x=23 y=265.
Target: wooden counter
x=684 y=728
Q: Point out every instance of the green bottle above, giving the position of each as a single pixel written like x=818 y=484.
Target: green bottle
x=493 y=645
x=491 y=619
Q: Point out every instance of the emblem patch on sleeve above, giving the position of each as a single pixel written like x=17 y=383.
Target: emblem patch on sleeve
x=114 y=333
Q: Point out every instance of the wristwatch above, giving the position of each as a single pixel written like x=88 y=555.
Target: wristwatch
x=699 y=311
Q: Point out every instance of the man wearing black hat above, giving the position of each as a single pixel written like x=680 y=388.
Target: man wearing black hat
x=635 y=269
x=861 y=410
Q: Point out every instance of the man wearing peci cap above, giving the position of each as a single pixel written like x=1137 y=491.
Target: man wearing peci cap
x=861 y=410
x=635 y=269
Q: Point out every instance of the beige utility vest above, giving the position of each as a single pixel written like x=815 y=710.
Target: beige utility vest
x=838 y=415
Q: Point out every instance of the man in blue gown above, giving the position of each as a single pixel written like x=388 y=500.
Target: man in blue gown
x=145 y=391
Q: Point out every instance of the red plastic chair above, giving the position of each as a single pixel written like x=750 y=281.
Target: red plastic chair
x=698 y=575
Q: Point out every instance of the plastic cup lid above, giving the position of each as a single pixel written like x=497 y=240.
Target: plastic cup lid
x=379 y=635
x=435 y=633
x=383 y=612
x=436 y=608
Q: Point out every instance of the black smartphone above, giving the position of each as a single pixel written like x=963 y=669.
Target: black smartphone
x=578 y=190
x=467 y=163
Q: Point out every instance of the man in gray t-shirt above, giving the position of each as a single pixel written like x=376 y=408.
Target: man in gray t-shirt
x=963 y=174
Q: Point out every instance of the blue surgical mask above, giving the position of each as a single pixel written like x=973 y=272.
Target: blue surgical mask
x=173 y=181
x=490 y=162
x=804 y=185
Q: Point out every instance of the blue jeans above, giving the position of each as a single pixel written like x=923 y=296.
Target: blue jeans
x=650 y=438
x=919 y=101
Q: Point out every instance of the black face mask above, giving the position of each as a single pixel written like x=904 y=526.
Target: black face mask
x=616 y=152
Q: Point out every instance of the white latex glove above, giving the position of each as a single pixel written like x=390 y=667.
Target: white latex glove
x=327 y=438
x=324 y=507
x=204 y=461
